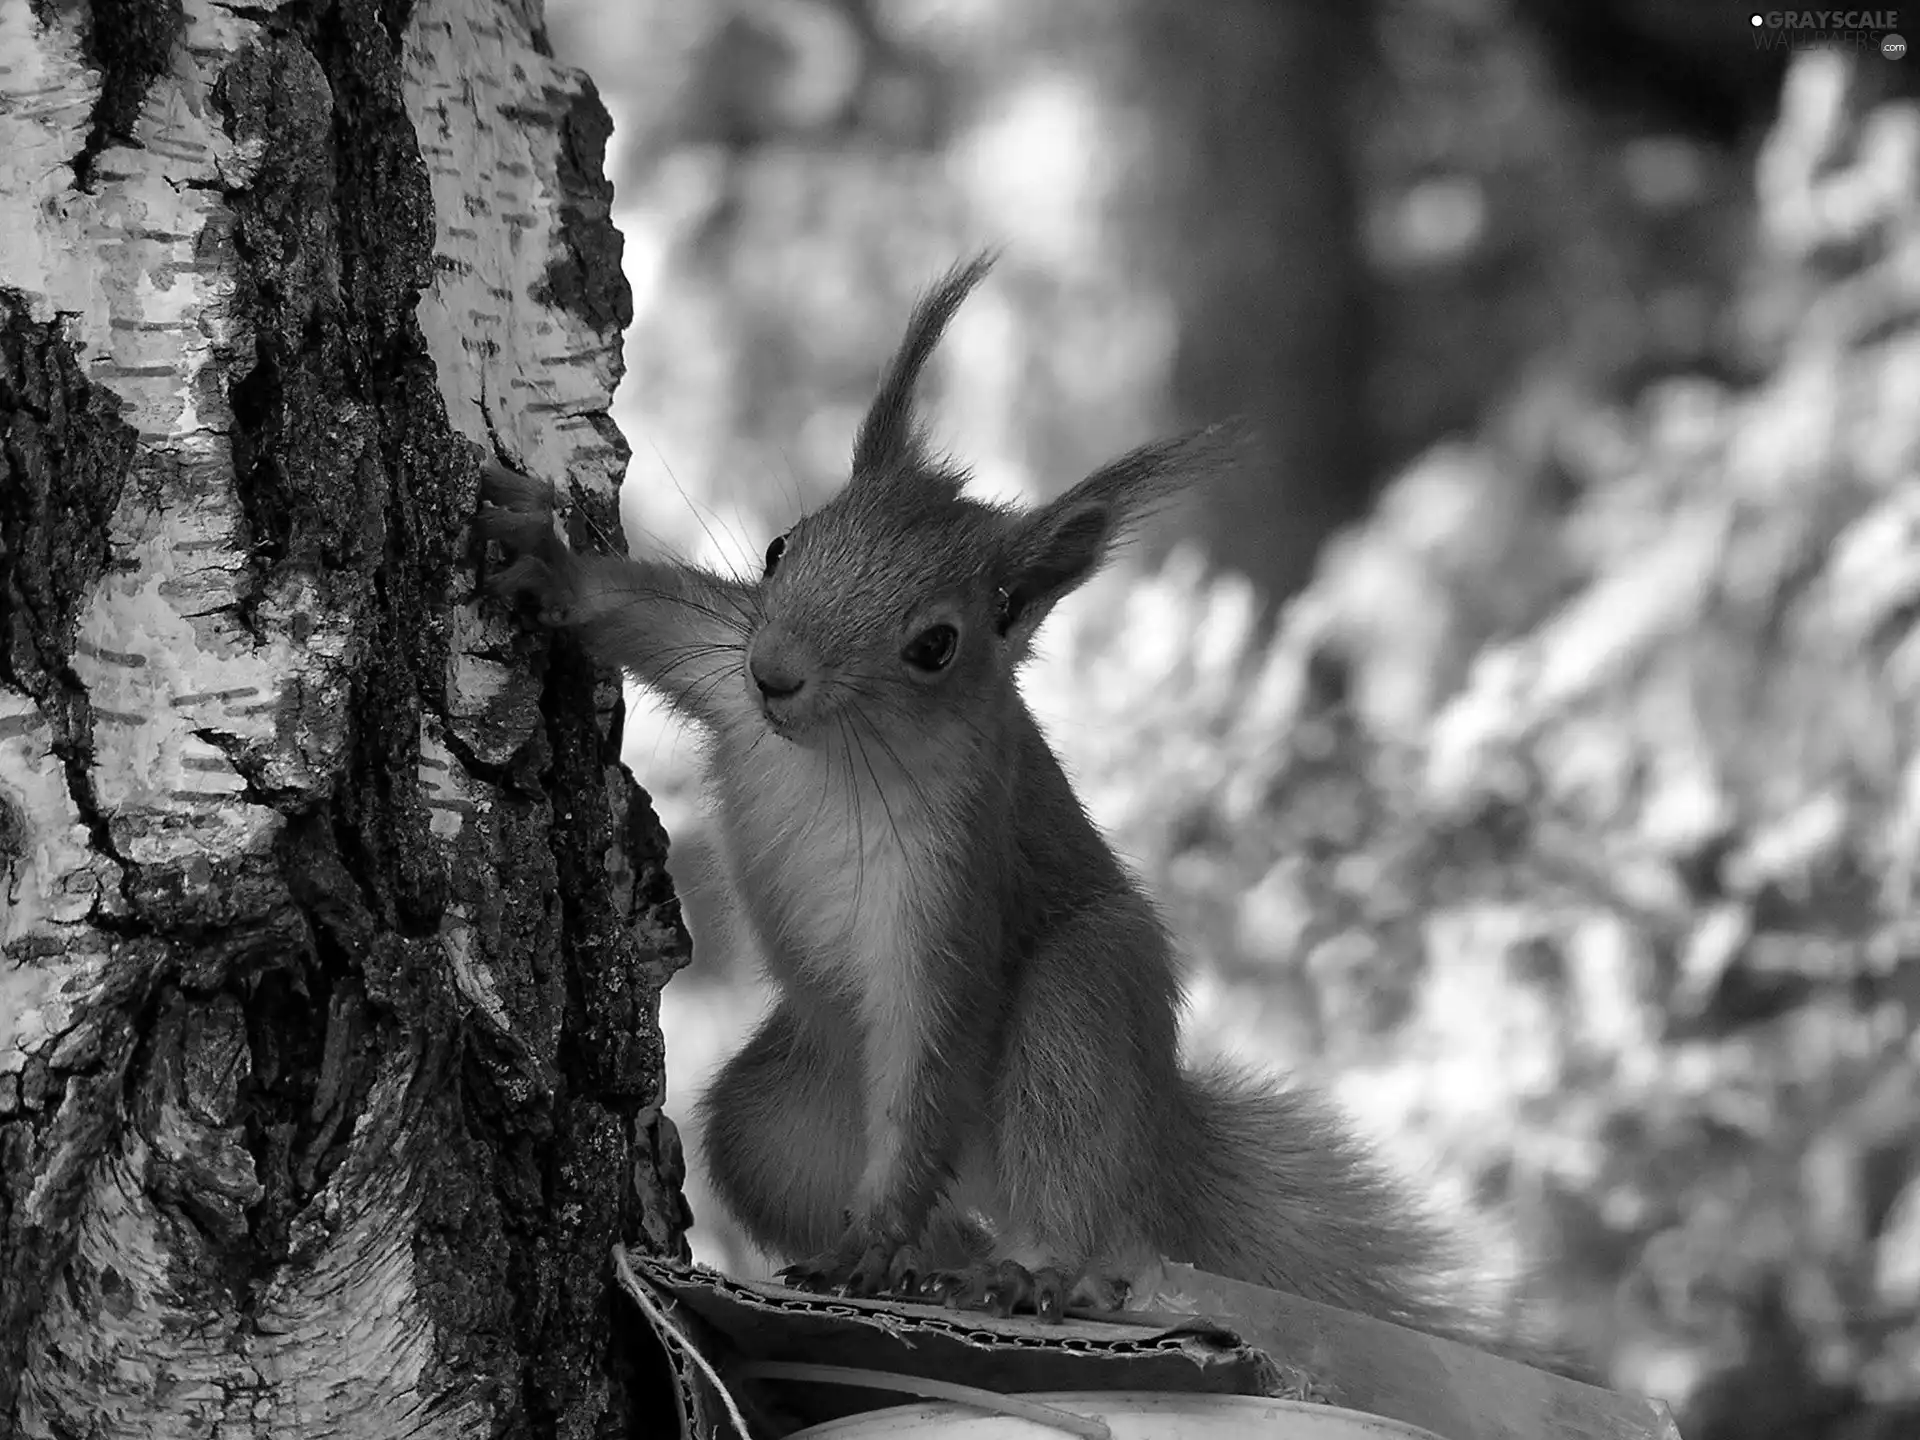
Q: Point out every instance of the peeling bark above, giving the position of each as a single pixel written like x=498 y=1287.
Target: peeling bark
x=329 y=1058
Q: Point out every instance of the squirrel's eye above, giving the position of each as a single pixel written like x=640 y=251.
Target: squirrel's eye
x=932 y=649
x=775 y=549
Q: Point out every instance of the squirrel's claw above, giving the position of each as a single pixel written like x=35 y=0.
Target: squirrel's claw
x=1004 y=1287
x=870 y=1275
x=1000 y=1287
x=814 y=1276
x=863 y=1263
x=809 y=1278
x=1050 y=1289
x=903 y=1274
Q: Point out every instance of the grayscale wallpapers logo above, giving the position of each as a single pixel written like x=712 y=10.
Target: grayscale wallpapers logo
x=1856 y=30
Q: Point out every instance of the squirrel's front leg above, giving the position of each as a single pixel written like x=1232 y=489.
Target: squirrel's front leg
x=678 y=629
x=923 y=1076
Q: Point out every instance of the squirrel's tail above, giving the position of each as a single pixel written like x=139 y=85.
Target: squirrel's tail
x=1269 y=1186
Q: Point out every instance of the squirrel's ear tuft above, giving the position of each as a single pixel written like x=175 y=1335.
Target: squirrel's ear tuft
x=889 y=438
x=1057 y=547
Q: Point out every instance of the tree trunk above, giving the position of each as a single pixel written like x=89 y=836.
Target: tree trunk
x=333 y=934
x=1256 y=228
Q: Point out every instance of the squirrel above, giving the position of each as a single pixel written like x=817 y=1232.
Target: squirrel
x=969 y=1087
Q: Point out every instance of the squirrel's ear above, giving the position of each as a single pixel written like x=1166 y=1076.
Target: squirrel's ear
x=1057 y=547
x=889 y=438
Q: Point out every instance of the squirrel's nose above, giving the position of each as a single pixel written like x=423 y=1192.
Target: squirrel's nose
x=775 y=683
x=777 y=674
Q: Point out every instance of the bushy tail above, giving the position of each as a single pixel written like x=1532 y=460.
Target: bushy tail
x=1271 y=1187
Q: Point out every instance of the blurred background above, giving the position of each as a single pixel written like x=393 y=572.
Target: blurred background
x=1523 y=740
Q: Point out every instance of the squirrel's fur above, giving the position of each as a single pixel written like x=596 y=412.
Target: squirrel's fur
x=974 y=1056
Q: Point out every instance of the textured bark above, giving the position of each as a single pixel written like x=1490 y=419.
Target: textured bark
x=333 y=935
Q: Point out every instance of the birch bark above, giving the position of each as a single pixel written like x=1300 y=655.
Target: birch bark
x=333 y=930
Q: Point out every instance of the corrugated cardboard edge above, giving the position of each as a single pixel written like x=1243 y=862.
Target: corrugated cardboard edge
x=726 y=1319
x=1230 y=1338
x=705 y=1406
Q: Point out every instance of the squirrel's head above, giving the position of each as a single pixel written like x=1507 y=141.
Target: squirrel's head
x=903 y=608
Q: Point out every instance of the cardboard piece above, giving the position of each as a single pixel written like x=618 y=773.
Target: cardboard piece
x=1454 y=1390
x=1211 y=1335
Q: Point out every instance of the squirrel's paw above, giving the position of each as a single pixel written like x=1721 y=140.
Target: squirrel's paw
x=519 y=532
x=509 y=490
x=537 y=564
x=864 y=1262
x=1005 y=1287
x=530 y=581
x=516 y=513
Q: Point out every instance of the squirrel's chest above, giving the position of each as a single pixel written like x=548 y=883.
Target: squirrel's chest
x=834 y=871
